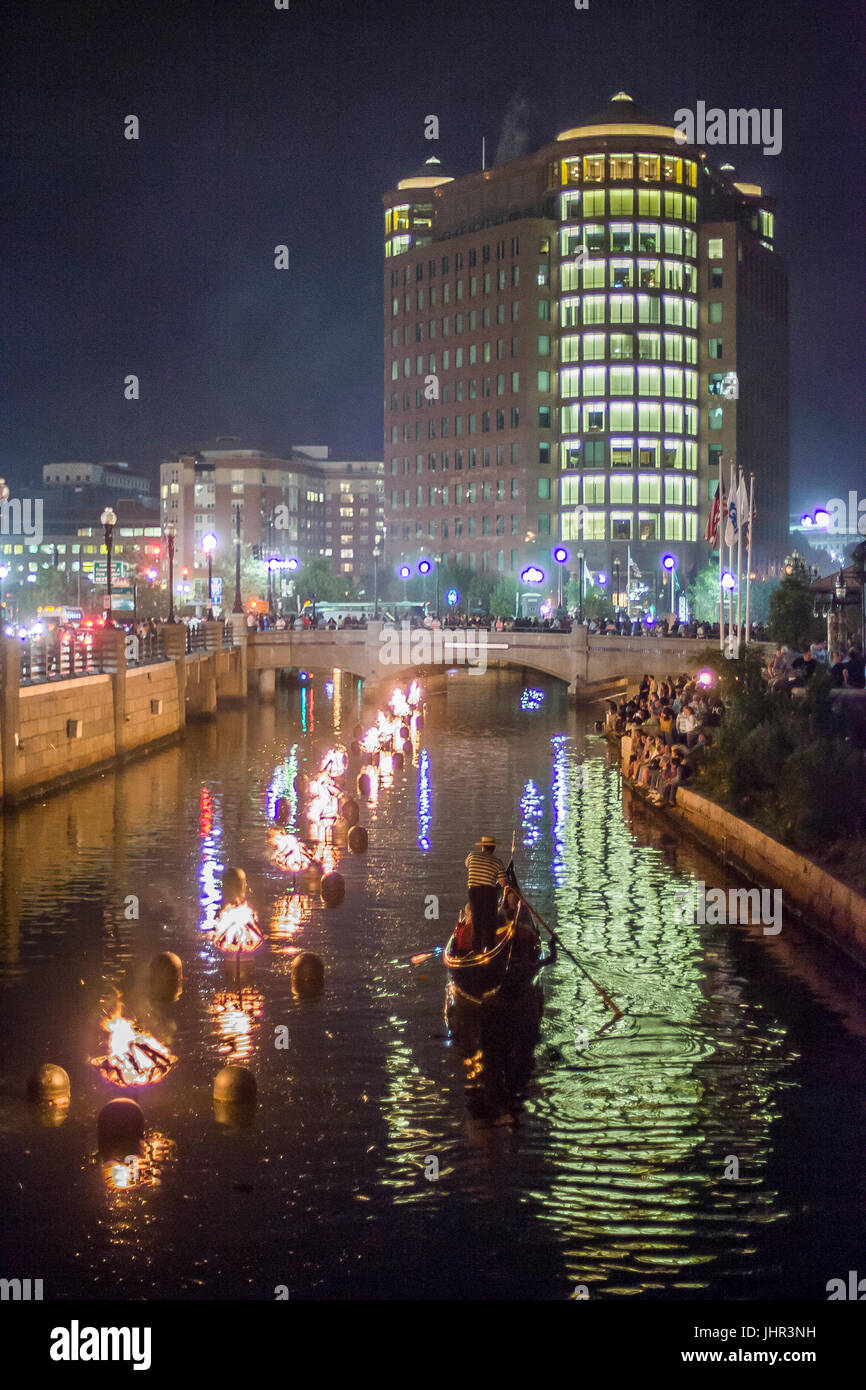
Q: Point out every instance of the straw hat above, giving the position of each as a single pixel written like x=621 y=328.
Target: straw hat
x=487 y=842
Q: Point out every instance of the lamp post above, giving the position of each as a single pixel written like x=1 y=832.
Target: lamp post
x=109 y=521
x=424 y=567
x=405 y=572
x=580 y=597
x=669 y=565
x=170 y=532
x=437 y=560
x=238 y=605
x=377 y=552
x=208 y=545
x=560 y=555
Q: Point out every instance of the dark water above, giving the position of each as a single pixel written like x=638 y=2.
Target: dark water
x=565 y=1157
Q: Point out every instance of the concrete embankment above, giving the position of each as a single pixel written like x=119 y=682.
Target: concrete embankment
x=821 y=901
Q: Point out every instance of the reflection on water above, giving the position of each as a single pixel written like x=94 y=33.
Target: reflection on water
x=694 y=1147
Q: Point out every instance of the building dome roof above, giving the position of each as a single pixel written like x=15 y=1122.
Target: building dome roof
x=620 y=116
x=430 y=175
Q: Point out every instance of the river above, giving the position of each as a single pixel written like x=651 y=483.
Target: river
x=708 y=1144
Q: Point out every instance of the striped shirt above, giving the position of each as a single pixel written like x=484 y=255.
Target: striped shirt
x=483 y=867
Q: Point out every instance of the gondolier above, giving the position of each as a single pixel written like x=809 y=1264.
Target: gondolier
x=485 y=872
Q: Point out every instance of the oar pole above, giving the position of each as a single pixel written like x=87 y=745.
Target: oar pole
x=553 y=936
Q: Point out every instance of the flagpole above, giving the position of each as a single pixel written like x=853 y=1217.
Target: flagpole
x=740 y=484
x=749 y=558
x=721 y=553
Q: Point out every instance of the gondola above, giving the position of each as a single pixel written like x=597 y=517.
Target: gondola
x=505 y=968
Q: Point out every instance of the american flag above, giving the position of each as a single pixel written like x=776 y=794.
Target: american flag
x=711 y=533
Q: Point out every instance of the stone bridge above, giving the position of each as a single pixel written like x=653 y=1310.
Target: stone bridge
x=590 y=665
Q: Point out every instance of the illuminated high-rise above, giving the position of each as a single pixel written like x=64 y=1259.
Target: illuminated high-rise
x=572 y=339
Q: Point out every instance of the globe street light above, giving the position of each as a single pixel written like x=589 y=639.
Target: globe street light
x=404 y=573
x=669 y=565
x=109 y=521
x=377 y=554
x=208 y=545
x=170 y=532
x=424 y=567
x=560 y=555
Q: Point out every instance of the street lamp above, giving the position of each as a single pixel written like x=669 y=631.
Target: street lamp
x=170 y=533
x=405 y=572
x=377 y=554
x=109 y=521
x=560 y=555
x=669 y=565
x=438 y=561
x=238 y=605
x=580 y=600
x=208 y=545
x=424 y=567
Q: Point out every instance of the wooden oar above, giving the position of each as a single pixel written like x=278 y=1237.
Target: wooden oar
x=553 y=936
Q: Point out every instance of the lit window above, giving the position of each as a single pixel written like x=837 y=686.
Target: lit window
x=715 y=248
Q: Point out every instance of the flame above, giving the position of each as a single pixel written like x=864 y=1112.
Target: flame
x=289 y=853
x=237 y=929
x=133 y=1058
x=236 y=1013
x=400 y=706
x=140 y=1169
x=415 y=694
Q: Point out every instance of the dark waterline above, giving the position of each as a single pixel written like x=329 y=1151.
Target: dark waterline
x=559 y=1164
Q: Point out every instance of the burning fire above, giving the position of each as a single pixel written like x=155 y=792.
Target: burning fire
x=237 y=929
x=133 y=1058
x=289 y=853
x=236 y=1014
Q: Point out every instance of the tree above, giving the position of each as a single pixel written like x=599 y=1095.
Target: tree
x=792 y=622
x=703 y=595
x=503 y=600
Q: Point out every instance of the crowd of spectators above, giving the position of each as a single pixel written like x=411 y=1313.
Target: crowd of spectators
x=665 y=731
x=791 y=670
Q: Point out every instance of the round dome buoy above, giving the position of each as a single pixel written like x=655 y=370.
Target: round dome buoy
x=235 y=1085
x=281 y=811
x=340 y=834
x=333 y=889
x=120 y=1125
x=419 y=720
x=308 y=974
x=301 y=784
x=50 y=1083
x=350 y=810
x=309 y=880
x=234 y=886
x=408 y=752
x=403 y=733
x=358 y=839
x=355 y=748
x=165 y=974
x=364 y=784
x=397 y=761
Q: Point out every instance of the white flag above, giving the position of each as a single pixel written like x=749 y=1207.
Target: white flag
x=732 y=523
x=743 y=503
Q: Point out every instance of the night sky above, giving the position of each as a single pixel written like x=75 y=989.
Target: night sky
x=262 y=126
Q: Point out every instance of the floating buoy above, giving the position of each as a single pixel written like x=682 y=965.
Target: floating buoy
x=358 y=839
x=301 y=784
x=120 y=1125
x=308 y=974
x=235 y=1085
x=350 y=810
x=309 y=880
x=404 y=734
x=333 y=889
x=281 y=811
x=364 y=784
x=234 y=886
x=408 y=752
x=50 y=1083
x=418 y=720
x=355 y=748
x=166 y=976
x=397 y=761
x=340 y=834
